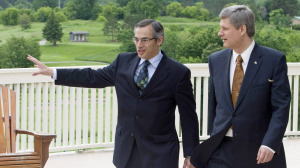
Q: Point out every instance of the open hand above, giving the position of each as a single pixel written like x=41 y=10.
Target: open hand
x=43 y=69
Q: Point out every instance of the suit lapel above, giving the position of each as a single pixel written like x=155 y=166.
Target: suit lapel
x=227 y=78
x=130 y=74
x=160 y=74
x=252 y=67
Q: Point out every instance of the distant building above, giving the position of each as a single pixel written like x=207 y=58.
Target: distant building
x=79 y=36
x=296 y=20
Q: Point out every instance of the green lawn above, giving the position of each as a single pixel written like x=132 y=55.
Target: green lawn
x=34 y=32
x=99 y=49
x=84 y=51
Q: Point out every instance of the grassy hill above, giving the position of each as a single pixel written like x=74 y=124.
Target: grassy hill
x=97 y=51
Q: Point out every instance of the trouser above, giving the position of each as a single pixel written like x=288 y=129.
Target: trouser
x=134 y=159
x=222 y=157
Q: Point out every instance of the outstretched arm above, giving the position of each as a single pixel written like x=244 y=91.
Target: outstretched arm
x=43 y=69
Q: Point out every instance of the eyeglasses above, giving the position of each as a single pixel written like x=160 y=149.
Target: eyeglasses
x=143 y=40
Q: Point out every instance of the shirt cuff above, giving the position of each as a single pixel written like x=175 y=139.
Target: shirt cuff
x=54 y=74
x=268 y=148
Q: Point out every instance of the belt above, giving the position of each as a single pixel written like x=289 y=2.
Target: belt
x=227 y=138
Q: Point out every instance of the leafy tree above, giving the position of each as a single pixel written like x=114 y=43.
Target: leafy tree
x=270 y=37
x=152 y=8
x=101 y=19
x=187 y=2
x=13 y=2
x=203 y=13
x=174 y=9
x=123 y=2
x=5 y=4
x=15 y=52
x=104 y=2
x=125 y=37
x=27 y=12
x=296 y=27
x=199 y=39
x=3 y=57
x=60 y=16
x=278 y=18
x=138 y=10
x=96 y=11
x=10 y=16
x=190 y=12
x=23 y=4
x=71 y=10
x=210 y=48
x=52 y=30
x=62 y=3
x=111 y=27
x=215 y=6
x=36 y=4
x=171 y=42
x=43 y=14
x=189 y=60
x=290 y=7
x=25 y=21
x=81 y=9
x=294 y=53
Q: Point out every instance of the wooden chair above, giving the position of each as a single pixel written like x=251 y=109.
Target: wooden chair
x=8 y=156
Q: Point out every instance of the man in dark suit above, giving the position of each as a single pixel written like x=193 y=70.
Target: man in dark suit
x=249 y=99
x=149 y=86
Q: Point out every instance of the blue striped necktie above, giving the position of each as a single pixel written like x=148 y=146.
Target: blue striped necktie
x=142 y=77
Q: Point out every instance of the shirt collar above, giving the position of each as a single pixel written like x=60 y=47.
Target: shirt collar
x=246 y=54
x=154 y=61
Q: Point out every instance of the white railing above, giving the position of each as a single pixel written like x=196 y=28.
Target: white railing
x=86 y=118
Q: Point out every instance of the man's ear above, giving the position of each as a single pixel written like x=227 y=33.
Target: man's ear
x=160 y=40
x=243 y=30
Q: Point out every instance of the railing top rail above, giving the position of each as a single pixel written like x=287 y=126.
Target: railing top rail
x=24 y=75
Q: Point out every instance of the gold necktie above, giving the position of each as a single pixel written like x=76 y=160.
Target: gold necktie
x=237 y=79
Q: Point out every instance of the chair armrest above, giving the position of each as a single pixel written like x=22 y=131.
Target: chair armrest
x=41 y=143
x=36 y=134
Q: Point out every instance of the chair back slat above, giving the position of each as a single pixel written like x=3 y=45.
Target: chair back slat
x=2 y=136
x=6 y=117
x=13 y=120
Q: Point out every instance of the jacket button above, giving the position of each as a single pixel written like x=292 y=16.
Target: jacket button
x=132 y=134
x=140 y=100
x=137 y=117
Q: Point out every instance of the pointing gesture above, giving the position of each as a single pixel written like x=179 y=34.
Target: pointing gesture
x=43 y=69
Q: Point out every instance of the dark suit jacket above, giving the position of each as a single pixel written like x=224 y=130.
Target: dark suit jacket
x=148 y=118
x=262 y=109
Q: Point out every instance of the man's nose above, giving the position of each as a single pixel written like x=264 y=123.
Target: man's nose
x=220 y=33
x=139 y=43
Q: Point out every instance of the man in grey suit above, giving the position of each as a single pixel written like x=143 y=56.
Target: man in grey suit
x=249 y=99
x=149 y=86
